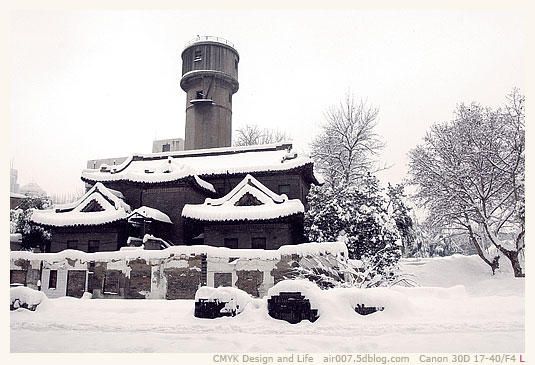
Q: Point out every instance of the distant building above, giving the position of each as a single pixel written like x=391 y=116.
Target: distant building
x=32 y=189
x=168 y=145
x=15 y=241
x=13 y=185
x=15 y=199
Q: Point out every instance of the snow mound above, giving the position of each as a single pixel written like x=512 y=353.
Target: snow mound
x=236 y=300
x=307 y=288
x=24 y=297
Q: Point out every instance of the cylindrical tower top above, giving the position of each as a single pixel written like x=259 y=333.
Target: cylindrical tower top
x=210 y=56
x=209 y=78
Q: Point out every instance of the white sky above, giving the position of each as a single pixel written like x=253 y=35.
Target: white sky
x=97 y=84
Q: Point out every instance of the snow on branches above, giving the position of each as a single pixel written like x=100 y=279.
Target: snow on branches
x=359 y=217
x=470 y=174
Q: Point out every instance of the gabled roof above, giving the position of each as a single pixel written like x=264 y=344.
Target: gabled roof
x=149 y=213
x=204 y=163
x=249 y=200
x=99 y=205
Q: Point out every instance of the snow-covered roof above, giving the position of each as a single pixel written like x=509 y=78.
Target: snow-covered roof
x=17 y=195
x=163 y=169
x=99 y=205
x=249 y=200
x=150 y=213
x=151 y=168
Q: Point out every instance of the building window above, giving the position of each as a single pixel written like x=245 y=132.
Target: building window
x=284 y=189
x=231 y=242
x=53 y=279
x=166 y=147
x=199 y=95
x=230 y=98
x=236 y=65
x=258 y=242
x=111 y=282
x=197 y=56
x=94 y=246
x=72 y=245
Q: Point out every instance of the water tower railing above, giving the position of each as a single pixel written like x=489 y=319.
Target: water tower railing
x=210 y=38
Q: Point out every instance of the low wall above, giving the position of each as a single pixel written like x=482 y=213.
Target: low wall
x=174 y=273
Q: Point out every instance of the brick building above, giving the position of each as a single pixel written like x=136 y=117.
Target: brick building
x=95 y=222
x=272 y=179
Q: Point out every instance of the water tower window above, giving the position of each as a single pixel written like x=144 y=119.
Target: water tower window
x=200 y=95
x=197 y=55
x=236 y=65
x=166 y=147
x=230 y=98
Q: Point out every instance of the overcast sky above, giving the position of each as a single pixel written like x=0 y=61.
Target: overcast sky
x=87 y=85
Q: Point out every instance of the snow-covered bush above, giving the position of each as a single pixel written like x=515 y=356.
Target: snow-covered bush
x=231 y=300
x=359 y=217
x=33 y=236
x=24 y=297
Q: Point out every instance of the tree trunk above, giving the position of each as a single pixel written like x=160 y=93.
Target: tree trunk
x=512 y=255
x=495 y=263
x=515 y=262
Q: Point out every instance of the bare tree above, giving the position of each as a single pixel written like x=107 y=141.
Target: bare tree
x=251 y=135
x=470 y=175
x=347 y=146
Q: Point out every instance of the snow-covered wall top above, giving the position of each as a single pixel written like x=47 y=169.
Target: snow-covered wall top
x=267 y=204
x=304 y=249
x=111 y=208
x=213 y=161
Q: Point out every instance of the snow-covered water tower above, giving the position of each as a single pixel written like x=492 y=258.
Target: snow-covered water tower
x=210 y=78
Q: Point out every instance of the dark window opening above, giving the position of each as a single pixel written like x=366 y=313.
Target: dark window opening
x=236 y=65
x=166 y=147
x=94 y=246
x=53 y=279
x=248 y=200
x=72 y=245
x=17 y=277
x=199 y=95
x=231 y=242
x=284 y=189
x=92 y=206
x=197 y=56
x=230 y=98
x=258 y=242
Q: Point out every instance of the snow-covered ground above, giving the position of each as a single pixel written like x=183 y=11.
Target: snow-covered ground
x=460 y=307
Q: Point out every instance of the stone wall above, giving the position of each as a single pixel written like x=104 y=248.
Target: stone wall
x=173 y=273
